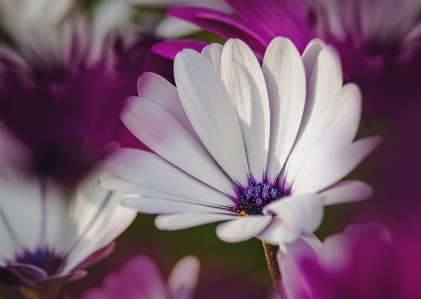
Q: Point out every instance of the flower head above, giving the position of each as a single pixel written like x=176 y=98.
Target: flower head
x=262 y=147
x=378 y=41
x=63 y=78
x=362 y=262
x=49 y=236
x=140 y=278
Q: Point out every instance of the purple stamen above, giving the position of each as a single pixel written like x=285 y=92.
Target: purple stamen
x=253 y=199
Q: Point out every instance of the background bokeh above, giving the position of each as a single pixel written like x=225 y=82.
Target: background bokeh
x=239 y=270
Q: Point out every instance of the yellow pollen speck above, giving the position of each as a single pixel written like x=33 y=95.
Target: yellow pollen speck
x=239 y=211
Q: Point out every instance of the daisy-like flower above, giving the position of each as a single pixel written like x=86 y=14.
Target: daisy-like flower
x=259 y=147
x=64 y=76
x=378 y=41
x=49 y=236
x=140 y=278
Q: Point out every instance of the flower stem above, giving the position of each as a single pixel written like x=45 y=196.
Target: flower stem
x=270 y=253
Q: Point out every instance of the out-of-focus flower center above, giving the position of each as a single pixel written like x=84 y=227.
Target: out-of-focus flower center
x=42 y=258
x=255 y=197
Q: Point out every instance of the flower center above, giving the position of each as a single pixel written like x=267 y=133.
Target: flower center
x=252 y=200
x=42 y=258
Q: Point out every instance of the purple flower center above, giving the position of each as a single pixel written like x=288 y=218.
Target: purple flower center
x=252 y=200
x=42 y=258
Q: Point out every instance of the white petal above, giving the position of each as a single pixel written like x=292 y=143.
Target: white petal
x=286 y=83
x=312 y=241
x=211 y=112
x=181 y=221
x=163 y=134
x=106 y=18
x=156 y=89
x=243 y=77
x=242 y=229
x=162 y=206
x=61 y=226
x=107 y=225
x=175 y=28
x=325 y=82
x=303 y=213
x=99 y=218
x=213 y=53
x=336 y=253
x=183 y=278
x=335 y=130
x=20 y=198
x=310 y=54
x=278 y=231
x=151 y=171
x=307 y=244
x=112 y=182
x=338 y=165
x=346 y=191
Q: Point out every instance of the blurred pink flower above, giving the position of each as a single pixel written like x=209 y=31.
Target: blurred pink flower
x=139 y=278
x=378 y=41
x=363 y=262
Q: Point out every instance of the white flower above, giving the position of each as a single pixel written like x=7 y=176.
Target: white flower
x=51 y=32
x=237 y=139
x=35 y=27
x=48 y=235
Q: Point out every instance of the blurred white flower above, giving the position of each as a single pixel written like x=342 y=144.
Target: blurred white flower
x=381 y=29
x=63 y=32
x=49 y=235
x=64 y=73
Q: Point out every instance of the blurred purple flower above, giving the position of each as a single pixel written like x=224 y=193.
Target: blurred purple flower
x=139 y=278
x=63 y=80
x=49 y=236
x=378 y=41
x=363 y=262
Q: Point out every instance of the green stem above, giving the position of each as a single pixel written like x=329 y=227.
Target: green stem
x=270 y=253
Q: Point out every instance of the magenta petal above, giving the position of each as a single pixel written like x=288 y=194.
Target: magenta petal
x=96 y=256
x=272 y=18
x=138 y=278
x=170 y=48
x=222 y=24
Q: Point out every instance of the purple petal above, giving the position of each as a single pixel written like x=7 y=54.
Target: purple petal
x=170 y=48
x=272 y=18
x=138 y=278
x=222 y=24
